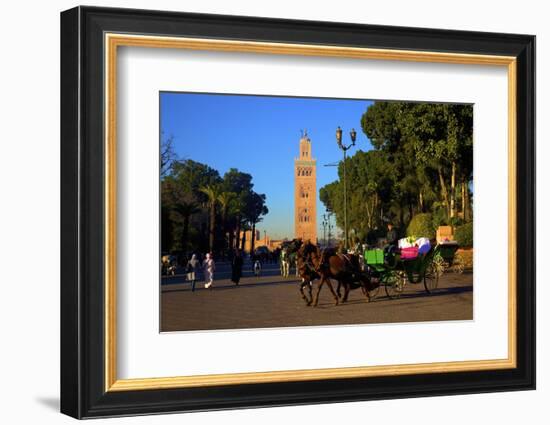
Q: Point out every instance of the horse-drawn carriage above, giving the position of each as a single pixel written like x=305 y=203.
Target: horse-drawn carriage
x=394 y=270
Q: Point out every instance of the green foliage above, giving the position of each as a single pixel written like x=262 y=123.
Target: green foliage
x=456 y=221
x=422 y=155
x=200 y=208
x=439 y=216
x=464 y=235
x=329 y=196
x=421 y=225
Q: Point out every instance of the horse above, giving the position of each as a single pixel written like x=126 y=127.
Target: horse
x=344 y=268
x=303 y=268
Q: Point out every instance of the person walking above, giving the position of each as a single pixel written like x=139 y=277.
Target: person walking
x=192 y=265
x=257 y=267
x=209 y=269
x=236 y=267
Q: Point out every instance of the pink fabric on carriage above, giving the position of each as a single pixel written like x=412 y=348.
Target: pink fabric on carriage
x=409 y=253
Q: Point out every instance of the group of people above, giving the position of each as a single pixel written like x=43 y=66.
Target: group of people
x=209 y=267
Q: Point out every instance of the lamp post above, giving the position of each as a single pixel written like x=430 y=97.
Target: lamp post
x=327 y=225
x=344 y=149
x=330 y=227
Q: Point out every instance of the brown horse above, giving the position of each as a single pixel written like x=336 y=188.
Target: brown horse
x=343 y=268
x=307 y=272
x=303 y=268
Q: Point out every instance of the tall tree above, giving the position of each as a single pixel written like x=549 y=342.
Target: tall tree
x=226 y=200
x=167 y=154
x=185 y=210
x=241 y=184
x=420 y=137
x=212 y=193
x=256 y=208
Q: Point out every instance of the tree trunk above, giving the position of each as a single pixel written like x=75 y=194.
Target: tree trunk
x=231 y=241
x=421 y=201
x=463 y=198
x=185 y=234
x=372 y=214
x=253 y=239
x=443 y=189
x=376 y=220
x=238 y=232
x=212 y=227
x=467 y=207
x=453 y=189
x=204 y=230
x=225 y=243
x=243 y=241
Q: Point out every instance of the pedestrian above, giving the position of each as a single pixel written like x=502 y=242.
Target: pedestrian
x=236 y=267
x=257 y=268
x=192 y=265
x=209 y=269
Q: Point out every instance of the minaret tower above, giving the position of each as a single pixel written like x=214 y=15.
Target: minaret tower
x=305 y=192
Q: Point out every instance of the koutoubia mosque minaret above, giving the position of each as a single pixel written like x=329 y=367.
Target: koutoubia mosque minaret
x=305 y=192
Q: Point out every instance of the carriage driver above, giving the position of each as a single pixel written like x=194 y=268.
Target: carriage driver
x=391 y=241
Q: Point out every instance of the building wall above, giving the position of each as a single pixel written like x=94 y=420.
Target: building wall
x=305 y=193
x=261 y=239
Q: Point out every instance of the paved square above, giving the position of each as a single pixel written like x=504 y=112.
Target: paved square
x=274 y=301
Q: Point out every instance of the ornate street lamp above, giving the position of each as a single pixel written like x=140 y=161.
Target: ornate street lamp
x=344 y=148
x=330 y=226
x=324 y=223
x=327 y=225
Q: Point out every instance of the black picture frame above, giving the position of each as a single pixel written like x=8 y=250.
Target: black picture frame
x=83 y=392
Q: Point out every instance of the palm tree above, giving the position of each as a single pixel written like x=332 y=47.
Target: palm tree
x=212 y=192
x=237 y=209
x=226 y=200
x=185 y=210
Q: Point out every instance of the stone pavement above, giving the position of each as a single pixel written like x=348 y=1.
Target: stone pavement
x=274 y=301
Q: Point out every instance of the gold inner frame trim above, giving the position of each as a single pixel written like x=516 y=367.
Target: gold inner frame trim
x=113 y=41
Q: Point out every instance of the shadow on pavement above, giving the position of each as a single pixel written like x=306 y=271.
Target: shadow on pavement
x=407 y=296
x=227 y=287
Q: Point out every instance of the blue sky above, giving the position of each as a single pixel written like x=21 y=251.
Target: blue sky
x=260 y=135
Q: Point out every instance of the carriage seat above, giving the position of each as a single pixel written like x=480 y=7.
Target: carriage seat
x=444 y=233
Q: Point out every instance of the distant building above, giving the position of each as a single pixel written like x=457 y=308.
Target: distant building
x=274 y=244
x=248 y=239
x=305 y=193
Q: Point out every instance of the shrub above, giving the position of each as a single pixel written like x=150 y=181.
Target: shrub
x=439 y=215
x=421 y=225
x=464 y=235
x=456 y=222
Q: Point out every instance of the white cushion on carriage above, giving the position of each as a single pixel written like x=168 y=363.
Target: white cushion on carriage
x=423 y=245
x=404 y=243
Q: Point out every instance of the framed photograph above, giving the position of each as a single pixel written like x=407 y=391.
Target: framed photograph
x=261 y=212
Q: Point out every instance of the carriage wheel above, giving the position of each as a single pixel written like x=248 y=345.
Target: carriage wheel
x=394 y=285
x=459 y=265
x=431 y=278
x=439 y=265
x=374 y=292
